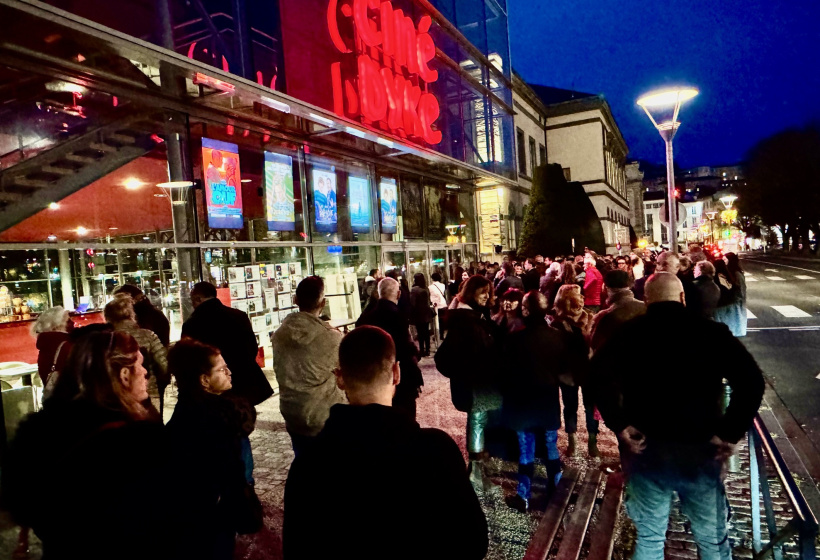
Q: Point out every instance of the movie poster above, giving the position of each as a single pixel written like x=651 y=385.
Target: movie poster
x=388 y=196
x=324 y=200
x=279 y=208
x=359 y=193
x=223 y=192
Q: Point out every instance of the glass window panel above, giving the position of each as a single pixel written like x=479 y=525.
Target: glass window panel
x=418 y=264
x=345 y=275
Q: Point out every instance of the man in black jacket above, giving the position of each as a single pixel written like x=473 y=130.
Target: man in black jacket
x=386 y=315
x=385 y=487
x=229 y=330
x=702 y=300
x=148 y=316
x=674 y=434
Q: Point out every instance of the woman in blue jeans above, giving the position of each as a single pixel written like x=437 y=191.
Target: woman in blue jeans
x=536 y=357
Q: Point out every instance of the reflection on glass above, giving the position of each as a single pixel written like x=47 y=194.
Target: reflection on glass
x=346 y=274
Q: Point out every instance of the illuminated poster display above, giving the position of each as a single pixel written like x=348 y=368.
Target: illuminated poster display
x=324 y=199
x=388 y=196
x=223 y=193
x=279 y=211
x=359 y=193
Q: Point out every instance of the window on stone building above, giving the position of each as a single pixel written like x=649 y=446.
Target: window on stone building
x=542 y=154
x=533 y=161
x=522 y=152
x=567 y=174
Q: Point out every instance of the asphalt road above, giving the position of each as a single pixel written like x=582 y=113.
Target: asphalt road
x=783 y=296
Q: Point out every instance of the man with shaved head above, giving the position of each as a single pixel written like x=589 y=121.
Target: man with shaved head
x=673 y=431
x=385 y=314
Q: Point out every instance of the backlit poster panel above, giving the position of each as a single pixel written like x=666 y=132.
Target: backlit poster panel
x=223 y=193
x=279 y=210
x=324 y=199
x=359 y=195
x=388 y=196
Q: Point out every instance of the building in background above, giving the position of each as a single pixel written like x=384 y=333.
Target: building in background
x=194 y=140
x=634 y=196
x=583 y=137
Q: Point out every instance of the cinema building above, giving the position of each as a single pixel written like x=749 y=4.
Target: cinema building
x=162 y=142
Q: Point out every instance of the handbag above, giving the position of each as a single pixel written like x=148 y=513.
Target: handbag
x=51 y=382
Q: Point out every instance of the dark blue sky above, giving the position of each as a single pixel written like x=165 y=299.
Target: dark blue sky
x=756 y=63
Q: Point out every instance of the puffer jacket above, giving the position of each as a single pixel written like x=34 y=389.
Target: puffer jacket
x=305 y=353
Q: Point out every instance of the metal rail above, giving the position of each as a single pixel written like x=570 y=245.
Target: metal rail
x=803 y=524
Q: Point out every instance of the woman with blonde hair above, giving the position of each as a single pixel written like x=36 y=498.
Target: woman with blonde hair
x=575 y=324
x=119 y=313
x=51 y=331
x=100 y=460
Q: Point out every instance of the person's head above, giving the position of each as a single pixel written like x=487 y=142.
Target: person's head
x=198 y=368
x=374 y=273
x=590 y=258
x=539 y=258
x=623 y=263
x=704 y=268
x=53 y=319
x=568 y=273
x=464 y=276
x=368 y=372
x=511 y=302
x=130 y=289
x=202 y=292
x=685 y=263
x=569 y=302
x=419 y=280
x=663 y=286
x=436 y=277
x=508 y=268
x=458 y=274
x=541 y=268
x=476 y=290
x=649 y=268
x=389 y=289
x=310 y=295
x=617 y=279
x=733 y=262
x=108 y=367
x=668 y=262
x=722 y=268
x=519 y=270
x=120 y=310
x=534 y=306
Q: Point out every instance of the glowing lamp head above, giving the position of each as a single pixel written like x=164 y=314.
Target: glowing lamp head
x=132 y=183
x=82 y=231
x=666 y=97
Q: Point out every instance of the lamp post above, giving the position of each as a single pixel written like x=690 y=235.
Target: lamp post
x=664 y=100
x=711 y=216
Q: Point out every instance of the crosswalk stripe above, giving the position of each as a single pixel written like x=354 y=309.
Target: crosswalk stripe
x=776 y=278
x=790 y=311
x=771 y=270
x=751 y=279
x=803 y=277
x=750 y=315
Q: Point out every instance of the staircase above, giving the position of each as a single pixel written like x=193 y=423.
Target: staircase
x=31 y=185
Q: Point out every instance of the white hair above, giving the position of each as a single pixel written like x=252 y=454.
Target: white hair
x=53 y=319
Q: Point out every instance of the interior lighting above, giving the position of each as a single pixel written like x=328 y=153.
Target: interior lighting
x=274 y=104
x=245 y=180
x=321 y=120
x=82 y=231
x=132 y=183
x=205 y=80
x=54 y=206
x=52 y=237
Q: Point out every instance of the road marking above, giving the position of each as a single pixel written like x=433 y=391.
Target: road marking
x=803 y=277
x=790 y=311
x=750 y=315
x=751 y=279
x=795 y=329
x=771 y=270
x=786 y=265
x=776 y=278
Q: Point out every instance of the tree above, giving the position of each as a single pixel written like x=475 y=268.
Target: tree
x=783 y=187
x=558 y=213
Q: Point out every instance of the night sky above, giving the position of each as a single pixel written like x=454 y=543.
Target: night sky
x=756 y=63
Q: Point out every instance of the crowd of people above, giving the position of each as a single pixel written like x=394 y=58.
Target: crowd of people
x=519 y=342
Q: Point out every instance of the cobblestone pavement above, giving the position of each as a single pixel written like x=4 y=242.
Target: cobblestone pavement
x=510 y=532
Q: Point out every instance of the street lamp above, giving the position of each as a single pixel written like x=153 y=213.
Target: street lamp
x=711 y=216
x=664 y=100
x=728 y=200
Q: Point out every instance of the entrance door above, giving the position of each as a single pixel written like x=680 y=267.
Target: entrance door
x=419 y=261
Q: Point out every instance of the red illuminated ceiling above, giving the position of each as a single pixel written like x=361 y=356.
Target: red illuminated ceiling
x=103 y=205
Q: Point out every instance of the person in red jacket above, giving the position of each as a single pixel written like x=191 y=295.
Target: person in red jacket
x=593 y=283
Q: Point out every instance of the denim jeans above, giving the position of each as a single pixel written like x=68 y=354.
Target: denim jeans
x=476 y=426
x=569 y=396
x=526 y=460
x=703 y=501
x=247 y=458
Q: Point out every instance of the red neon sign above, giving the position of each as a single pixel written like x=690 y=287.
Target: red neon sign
x=386 y=76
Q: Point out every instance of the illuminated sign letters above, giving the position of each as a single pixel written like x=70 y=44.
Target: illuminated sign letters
x=387 y=74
